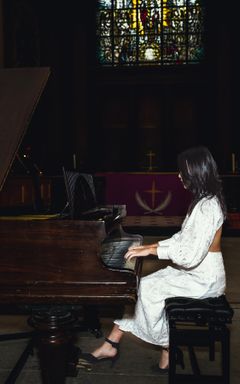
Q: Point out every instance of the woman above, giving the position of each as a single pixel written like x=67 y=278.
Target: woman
x=197 y=271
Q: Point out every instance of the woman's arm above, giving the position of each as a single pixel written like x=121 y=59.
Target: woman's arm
x=141 y=251
x=192 y=246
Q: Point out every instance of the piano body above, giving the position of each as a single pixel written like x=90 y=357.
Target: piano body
x=51 y=268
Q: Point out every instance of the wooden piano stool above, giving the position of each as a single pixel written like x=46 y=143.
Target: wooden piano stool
x=199 y=323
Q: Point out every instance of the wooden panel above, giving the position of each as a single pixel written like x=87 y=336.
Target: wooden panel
x=23 y=192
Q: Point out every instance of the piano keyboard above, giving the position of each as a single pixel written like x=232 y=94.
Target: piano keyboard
x=113 y=252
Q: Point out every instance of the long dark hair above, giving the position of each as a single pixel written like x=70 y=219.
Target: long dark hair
x=199 y=173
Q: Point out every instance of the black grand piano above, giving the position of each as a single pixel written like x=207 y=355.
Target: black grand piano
x=51 y=268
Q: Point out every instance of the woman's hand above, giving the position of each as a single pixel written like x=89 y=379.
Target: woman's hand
x=141 y=251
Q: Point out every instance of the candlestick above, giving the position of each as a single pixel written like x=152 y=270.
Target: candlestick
x=74 y=161
x=233 y=163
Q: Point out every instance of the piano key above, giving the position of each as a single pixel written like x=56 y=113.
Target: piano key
x=113 y=251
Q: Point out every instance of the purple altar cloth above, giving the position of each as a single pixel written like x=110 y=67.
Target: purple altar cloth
x=147 y=193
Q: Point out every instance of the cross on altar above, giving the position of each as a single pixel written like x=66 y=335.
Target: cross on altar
x=153 y=192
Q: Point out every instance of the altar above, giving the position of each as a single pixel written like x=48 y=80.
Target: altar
x=146 y=193
x=157 y=201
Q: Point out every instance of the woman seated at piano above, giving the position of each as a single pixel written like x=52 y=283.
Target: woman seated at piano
x=195 y=251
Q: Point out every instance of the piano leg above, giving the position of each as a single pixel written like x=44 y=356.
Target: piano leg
x=55 y=337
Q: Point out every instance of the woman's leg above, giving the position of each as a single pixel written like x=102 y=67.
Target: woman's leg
x=164 y=358
x=106 y=349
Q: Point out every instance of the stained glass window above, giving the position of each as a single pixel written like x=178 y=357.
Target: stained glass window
x=150 y=32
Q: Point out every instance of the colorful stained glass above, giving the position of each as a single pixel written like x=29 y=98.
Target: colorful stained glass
x=150 y=32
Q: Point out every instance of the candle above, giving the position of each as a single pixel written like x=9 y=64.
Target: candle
x=233 y=162
x=74 y=161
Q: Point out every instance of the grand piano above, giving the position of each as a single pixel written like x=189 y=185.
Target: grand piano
x=50 y=268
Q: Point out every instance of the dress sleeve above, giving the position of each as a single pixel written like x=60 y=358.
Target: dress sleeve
x=167 y=242
x=189 y=247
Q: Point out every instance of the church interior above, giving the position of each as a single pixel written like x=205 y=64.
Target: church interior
x=124 y=123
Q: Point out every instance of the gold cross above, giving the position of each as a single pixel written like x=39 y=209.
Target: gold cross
x=153 y=191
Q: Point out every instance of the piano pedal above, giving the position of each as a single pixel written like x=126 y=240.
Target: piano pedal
x=72 y=362
x=83 y=364
x=96 y=332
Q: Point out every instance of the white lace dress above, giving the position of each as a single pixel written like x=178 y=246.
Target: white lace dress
x=196 y=273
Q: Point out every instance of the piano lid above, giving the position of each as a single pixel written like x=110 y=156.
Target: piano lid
x=20 y=90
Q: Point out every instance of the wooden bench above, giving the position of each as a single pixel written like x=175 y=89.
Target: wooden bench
x=194 y=323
